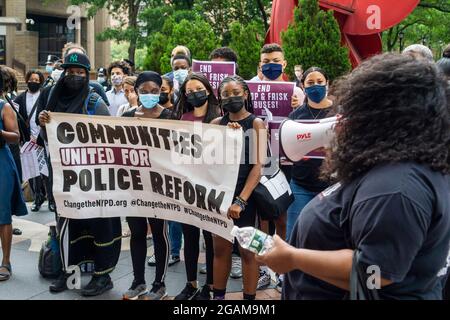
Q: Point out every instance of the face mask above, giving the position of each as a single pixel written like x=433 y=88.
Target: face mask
x=316 y=93
x=149 y=101
x=74 y=83
x=117 y=80
x=101 y=80
x=197 y=99
x=180 y=75
x=272 y=71
x=56 y=74
x=49 y=69
x=164 y=98
x=233 y=104
x=298 y=75
x=33 y=86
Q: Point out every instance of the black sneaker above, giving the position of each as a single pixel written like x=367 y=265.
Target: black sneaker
x=60 y=284
x=205 y=294
x=188 y=293
x=97 y=286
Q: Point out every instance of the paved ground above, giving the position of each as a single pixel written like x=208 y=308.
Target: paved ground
x=26 y=282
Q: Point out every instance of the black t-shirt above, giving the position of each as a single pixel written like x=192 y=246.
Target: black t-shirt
x=305 y=173
x=397 y=215
x=165 y=114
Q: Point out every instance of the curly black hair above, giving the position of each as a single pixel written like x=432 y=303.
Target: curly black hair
x=121 y=65
x=394 y=108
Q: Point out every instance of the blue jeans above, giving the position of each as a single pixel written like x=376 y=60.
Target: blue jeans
x=175 y=235
x=301 y=199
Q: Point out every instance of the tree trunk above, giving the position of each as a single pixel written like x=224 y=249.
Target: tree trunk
x=262 y=9
x=133 y=10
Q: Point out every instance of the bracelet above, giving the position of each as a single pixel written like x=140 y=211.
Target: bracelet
x=241 y=203
x=242 y=200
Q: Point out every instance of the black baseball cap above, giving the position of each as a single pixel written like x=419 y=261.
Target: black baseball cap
x=77 y=59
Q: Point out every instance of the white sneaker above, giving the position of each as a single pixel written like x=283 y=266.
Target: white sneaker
x=264 y=279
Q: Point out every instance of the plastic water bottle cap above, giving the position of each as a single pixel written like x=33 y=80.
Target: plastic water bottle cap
x=234 y=231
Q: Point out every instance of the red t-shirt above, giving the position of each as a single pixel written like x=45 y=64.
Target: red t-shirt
x=190 y=117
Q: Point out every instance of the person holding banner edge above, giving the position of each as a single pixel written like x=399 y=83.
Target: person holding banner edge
x=148 y=86
x=197 y=103
x=235 y=99
x=85 y=240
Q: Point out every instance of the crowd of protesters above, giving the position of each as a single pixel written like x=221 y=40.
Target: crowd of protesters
x=383 y=190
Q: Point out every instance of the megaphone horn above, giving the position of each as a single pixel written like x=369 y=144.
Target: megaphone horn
x=299 y=139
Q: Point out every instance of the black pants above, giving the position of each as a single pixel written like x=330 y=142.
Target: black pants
x=38 y=186
x=192 y=250
x=138 y=247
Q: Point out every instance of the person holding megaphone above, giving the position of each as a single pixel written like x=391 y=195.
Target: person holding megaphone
x=305 y=182
x=381 y=231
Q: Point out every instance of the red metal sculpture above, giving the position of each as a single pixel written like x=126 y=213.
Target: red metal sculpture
x=360 y=21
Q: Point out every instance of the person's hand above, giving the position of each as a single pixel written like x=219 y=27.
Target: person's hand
x=295 y=102
x=133 y=99
x=44 y=117
x=234 y=212
x=279 y=258
x=234 y=125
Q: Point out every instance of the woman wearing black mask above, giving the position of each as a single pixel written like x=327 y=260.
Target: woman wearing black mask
x=90 y=240
x=236 y=102
x=166 y=97
x=27 y=109
x=197 y=103
x=305 y=182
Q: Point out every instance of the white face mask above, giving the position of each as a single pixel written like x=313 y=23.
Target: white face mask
x=117 y=80
x=56 y=74
x=299 y=75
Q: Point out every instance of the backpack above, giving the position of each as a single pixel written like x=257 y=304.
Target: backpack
x=49 y=263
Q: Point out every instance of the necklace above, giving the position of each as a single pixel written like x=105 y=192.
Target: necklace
x=312 y=114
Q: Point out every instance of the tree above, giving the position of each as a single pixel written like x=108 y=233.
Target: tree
x=194 y=33
x=124 y=11
x=314 y=39
x=247 y=42
x=428 y=24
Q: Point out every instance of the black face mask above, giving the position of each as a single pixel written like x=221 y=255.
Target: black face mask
x=233 y=104
x=33 y=86
x=74 y=83
x=163 y=98
x=197 y=99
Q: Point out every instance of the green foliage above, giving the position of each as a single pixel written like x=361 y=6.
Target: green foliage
x=314 y=39
x=427 y=25
x=247 y=42
x=195 y=33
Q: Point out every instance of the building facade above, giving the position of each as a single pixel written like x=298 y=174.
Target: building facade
x=30 y=30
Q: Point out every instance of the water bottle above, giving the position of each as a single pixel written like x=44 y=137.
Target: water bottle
x=253 y=239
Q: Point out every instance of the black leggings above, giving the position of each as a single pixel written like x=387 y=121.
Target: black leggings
x=138 y=247
x=192 y=250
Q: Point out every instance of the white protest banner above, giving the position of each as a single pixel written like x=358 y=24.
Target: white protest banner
x=32 y=158
x=215 y=71
x=173 y=170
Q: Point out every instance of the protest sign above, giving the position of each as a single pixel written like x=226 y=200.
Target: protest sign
x=215 y=71
x=274 y=95
x=33 y=162
x=173 y=170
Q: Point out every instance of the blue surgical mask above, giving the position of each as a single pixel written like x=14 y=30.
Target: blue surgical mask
x=49 y=69
x=316 y=93
x=149 y=101
x=180 y=75
x=272 y=71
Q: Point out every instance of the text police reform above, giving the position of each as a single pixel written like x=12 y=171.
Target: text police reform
x=173 y=170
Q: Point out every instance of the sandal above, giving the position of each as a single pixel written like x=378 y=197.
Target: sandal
x=17 y=232
x=5 y=272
